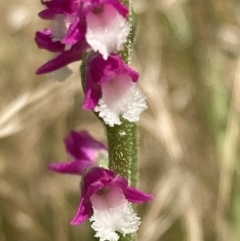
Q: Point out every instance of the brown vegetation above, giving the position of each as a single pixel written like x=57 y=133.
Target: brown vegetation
x=188 y=55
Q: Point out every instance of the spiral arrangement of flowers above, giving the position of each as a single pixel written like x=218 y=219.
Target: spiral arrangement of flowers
x=99 y=32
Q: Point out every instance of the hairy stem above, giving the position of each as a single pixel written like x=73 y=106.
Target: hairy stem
x=122 y=146
x=127 y=52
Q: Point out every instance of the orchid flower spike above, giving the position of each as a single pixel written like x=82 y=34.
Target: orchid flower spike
x=107 y=199
x=85 y=152
x=111 y=90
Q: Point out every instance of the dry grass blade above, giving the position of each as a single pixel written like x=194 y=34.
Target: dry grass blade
x=229 y=153
x=163 y=127
x=157 y=220
x=174 y=191
x=28 y=105
x=9 y=123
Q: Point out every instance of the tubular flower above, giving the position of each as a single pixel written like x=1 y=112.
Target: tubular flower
x=111 y=90
x=107 y=198
x=85 y=152
x=106 y=25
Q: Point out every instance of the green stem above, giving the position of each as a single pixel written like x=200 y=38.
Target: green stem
x=126 y=238
x=127 y=52
x=122 y=150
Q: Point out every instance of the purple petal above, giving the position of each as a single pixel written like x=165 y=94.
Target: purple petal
x=74 y=142
x=122 y=9
x=83 y=211
x=95 y=179
x=120 y=182
x=113 y=67
x=98 y=174
x=75 y=167
x=65 y=58
x=47 y=14
x=44 y=41
x=62 y=6
x=57 y=63
x=94 y=187
x=81 y=145
x=76 y=31
x=89 y=5
x=92 y=94
x=135 y=196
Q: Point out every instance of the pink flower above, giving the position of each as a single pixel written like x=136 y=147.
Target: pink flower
x=106 y=198
x=111 y=90
x=64 y=16
x=85 y=152
x=80 y=25
x=62 y=13
x=106 y=25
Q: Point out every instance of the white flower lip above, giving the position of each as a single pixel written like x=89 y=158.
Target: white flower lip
x=107 y=30
x=120 y=97
x=112 y=213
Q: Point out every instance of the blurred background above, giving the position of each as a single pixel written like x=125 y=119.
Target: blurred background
x=188 y=54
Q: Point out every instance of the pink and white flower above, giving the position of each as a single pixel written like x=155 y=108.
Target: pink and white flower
x=111 y=90
x=106 y=24
x=78 y=25
x=107 y=199
x=85 y=152
x=63 y=14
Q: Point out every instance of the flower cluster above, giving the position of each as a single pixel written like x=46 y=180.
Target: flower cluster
x=105 y=197
x=99 y=28
x=79 y=25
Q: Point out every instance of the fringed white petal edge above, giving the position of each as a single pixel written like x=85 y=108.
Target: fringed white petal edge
x=107 y=31
x=120 y=219
x=113 y=213
x=120 y=97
